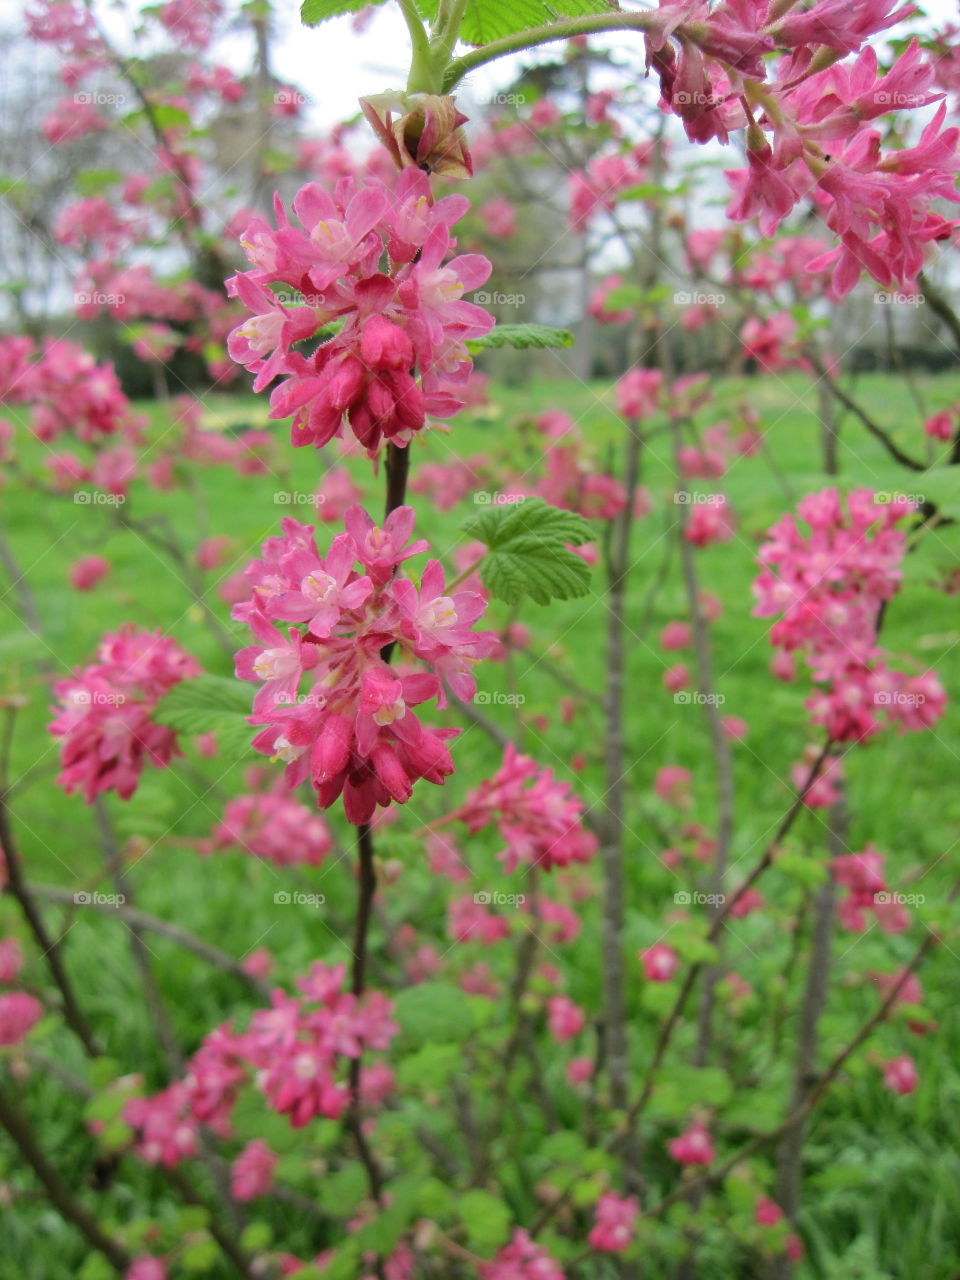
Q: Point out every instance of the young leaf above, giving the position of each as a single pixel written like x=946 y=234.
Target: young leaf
x=313 y=12
x=528 y=553
x=522 y=337
x=486 y=20
x=209 y=704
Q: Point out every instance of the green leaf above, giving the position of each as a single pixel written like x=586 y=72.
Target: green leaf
x=523 y=337
x=313 y=12
x=528 y=553
x=209 y=704
x=486 y=1218
x=486 y=20
x=433 y=1012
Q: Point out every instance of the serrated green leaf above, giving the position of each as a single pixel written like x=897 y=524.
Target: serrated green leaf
x=486 y=20
x=313 y=12
x=528 y=552
x=209 y=704
x=522 y=337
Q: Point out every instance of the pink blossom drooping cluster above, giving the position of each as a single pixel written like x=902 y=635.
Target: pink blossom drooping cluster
x=294 y=1054
x=105 y=714
x=354 y=732
x=828 y=585
x=541 y=823
x=65 y=390
x=521 y=1259
x=274 y=826
x=399 y=353
x=862 y=875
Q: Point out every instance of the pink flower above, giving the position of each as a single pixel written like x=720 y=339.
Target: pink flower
x=637 y=393
x=104 y=717
x=146 y=1268
x=11 y=959
x=675 y=635
x=521 y=1259
x=19 y=1012
x=900 y=1075
x=660 y=962
x=400 y=353
x=710 y=522
x=580 y=1070
x=276 y=828
x=565 y=1019
x=940 y=425
x=692 y=1147
x=86 y=572
x=355 y=733
x=252 y=1171
x=733 y=727
x=613 y=1227
x=541 y=824
x=676 y=678
x=673 y=784
x=468 y=920
x=767 y=1213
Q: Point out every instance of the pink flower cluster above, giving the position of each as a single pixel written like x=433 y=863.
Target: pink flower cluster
x=541 y=823
x=521 y=1259
x=613 y=1228
x=275 y=826
x=19 y=1011
x=66 y=391
x=104 y=716
x=292 y=1052
x=828 y=585
x=355 y=732
x=861 y=874
x=399 y=353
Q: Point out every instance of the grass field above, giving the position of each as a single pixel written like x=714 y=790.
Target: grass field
x=883 y=1176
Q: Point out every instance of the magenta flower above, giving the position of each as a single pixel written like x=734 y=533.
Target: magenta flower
x=355 y=732
x=104 y=717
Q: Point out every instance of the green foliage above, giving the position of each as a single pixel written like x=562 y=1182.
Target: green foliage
x=523 y=337
x=313 y=12
x=209 y=704
x=486 y=20
x=433 y=1012
x=528 y=553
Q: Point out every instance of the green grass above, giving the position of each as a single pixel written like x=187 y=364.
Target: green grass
x=882 y=1191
